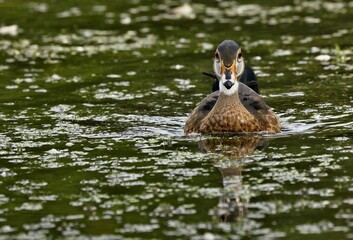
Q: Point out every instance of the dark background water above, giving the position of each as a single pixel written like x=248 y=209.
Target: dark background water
x=94 y=96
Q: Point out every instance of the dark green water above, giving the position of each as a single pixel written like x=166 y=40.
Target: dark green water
x=94 y=96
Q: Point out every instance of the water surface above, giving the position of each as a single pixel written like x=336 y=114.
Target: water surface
x=94 y=97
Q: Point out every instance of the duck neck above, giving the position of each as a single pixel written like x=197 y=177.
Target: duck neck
x=230 y=100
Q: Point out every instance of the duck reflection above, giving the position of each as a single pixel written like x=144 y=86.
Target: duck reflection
x=231 y=152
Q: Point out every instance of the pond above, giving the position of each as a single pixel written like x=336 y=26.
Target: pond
x=94 y=96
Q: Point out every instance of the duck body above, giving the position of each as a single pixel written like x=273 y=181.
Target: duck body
x=242 y=111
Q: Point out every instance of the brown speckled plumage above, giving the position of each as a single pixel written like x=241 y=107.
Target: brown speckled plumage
x=244 y=111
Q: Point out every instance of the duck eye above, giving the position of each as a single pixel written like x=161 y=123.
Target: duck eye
x=216 y=55
x=240 y=57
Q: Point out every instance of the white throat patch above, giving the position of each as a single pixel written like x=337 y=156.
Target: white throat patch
x=230 y=91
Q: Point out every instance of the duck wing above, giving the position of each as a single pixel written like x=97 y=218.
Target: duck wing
x=252 y=101
x=256 y=105
x=200 y=112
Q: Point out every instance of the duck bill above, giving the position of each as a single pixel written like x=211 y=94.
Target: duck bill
x=228 y=75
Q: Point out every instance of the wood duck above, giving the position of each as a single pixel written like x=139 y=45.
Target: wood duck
x=234 y=107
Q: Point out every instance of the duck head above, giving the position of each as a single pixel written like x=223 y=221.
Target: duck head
x=228 y=66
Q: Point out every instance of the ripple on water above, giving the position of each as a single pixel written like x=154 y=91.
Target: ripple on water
x=91 y=42
x=87 y=153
